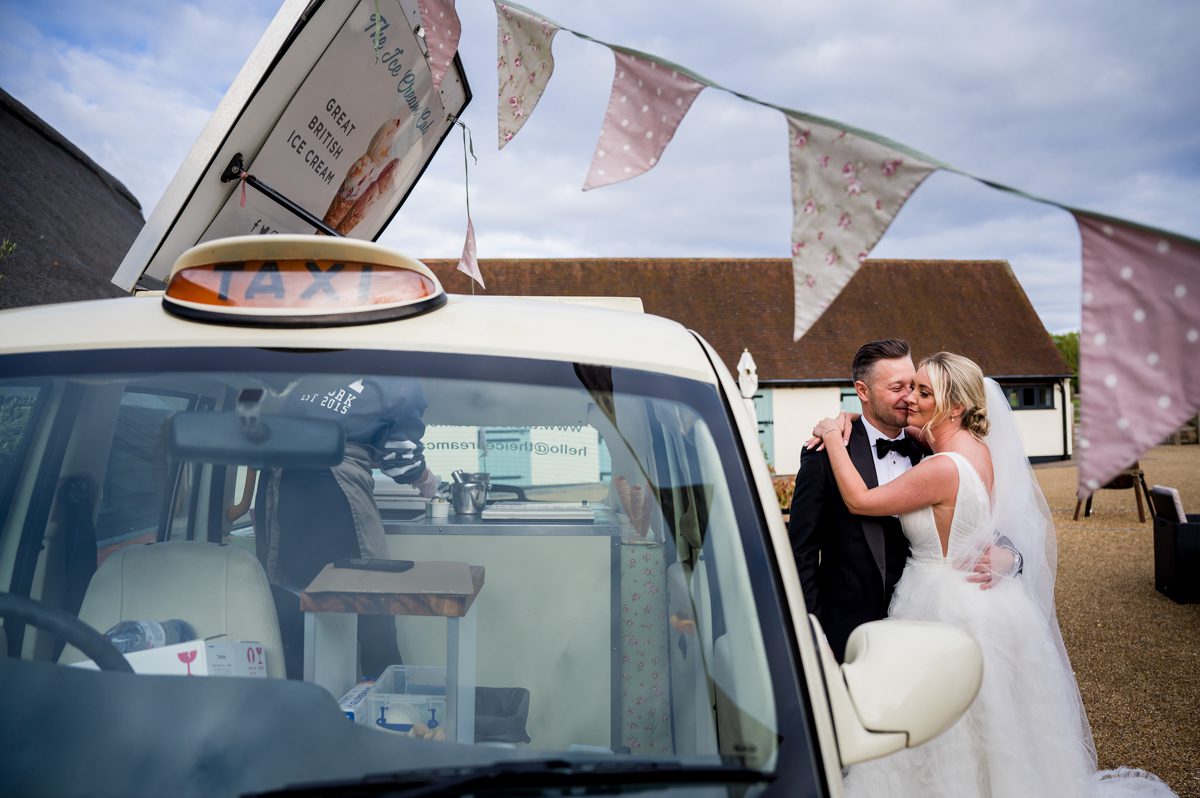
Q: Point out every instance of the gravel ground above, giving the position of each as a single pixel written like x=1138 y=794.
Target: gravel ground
x=1136 y=652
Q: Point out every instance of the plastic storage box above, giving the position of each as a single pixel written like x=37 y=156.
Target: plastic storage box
x=410 y=699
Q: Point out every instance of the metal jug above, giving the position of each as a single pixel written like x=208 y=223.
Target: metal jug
x=468 y=498
x=461 y=476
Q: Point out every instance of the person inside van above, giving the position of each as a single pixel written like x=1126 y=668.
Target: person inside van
x=306 y=518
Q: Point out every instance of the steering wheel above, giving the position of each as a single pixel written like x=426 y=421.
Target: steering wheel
x=94 y=645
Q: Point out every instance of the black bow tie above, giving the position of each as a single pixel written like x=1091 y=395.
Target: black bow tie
x=905 y=447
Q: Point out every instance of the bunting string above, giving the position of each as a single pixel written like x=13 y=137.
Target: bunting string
x=850 y=129
x=1140 y=330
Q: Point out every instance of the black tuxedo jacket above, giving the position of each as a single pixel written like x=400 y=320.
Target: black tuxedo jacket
x=848 y=564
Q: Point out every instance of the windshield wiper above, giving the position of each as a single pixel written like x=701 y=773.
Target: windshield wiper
x=523 y=774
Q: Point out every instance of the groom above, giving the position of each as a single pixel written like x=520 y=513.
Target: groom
x=849 y=564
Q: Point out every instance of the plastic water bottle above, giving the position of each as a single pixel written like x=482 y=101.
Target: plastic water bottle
x=129 y=636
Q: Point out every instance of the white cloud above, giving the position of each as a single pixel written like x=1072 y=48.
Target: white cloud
x=1087 y=102
x=134 y=100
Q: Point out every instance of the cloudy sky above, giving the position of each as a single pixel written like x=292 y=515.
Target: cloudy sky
x=1091 y=103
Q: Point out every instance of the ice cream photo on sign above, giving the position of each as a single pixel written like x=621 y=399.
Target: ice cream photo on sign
x=370 y=177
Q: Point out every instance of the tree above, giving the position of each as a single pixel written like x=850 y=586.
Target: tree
x=1068 y=347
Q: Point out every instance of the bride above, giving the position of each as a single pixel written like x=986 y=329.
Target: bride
x=1027 y=733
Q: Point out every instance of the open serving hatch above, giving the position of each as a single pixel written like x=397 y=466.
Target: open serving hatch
x=335 y=109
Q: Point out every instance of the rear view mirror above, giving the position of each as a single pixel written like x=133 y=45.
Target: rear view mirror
x=903 y=683
x=259 y=441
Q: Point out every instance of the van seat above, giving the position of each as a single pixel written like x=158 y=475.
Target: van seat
x=218 y=589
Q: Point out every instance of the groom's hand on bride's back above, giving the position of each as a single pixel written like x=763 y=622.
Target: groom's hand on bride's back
x=994 y=564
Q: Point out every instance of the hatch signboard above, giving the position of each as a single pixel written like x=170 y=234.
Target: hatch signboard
x=335 y=110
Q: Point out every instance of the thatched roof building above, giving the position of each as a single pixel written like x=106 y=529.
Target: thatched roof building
x=68 y=221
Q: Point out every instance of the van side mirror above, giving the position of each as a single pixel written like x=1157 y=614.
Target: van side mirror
x=903 y=683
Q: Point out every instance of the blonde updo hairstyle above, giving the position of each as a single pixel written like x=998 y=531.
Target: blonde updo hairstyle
x=956 y=382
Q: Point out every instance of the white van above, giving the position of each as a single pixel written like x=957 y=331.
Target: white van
x=423 y=544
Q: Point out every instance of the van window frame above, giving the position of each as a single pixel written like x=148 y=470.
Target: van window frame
x=41 y=500
x=796 y=759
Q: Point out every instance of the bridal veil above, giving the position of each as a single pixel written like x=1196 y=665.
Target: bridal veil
x=1020 y=513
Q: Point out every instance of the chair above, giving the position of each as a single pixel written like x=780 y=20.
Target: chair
x=1132 y=477
x=1176 y=547
x=217 y=589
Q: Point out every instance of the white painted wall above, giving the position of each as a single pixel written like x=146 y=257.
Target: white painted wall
x=797 y=410
x=1042 y=430
x=540 y=592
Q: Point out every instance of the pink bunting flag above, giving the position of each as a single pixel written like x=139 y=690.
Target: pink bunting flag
x=442 y=30
x=845 y=192
x=648 y=102
x=524 y=63
x=469 y=263
x=1139 y=346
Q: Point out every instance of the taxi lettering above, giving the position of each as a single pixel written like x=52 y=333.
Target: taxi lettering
x=293 y=287
x=268 y=280
x=321 y=279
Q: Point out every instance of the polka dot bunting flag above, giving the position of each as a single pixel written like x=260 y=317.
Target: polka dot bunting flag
x=442 y=31
x=648 y=102
x=1138 y=346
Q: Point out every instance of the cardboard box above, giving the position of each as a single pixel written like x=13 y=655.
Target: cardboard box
x=198 y=658
x=446 y=589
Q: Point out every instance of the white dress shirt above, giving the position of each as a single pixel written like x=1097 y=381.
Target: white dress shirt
x=893 y=464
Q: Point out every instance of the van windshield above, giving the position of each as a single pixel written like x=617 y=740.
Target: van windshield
x=456 y=558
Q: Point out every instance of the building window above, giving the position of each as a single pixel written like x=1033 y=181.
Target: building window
x=1030 y=397
x=850 y=403
x=766 y=424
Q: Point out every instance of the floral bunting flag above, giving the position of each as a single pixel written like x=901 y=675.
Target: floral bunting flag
x=524 y=63
x=1139 y=344
x=442 y=30
x=845 y=192
x=647 y=104
x=468 y=264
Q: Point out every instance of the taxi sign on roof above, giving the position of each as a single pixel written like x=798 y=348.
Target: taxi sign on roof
x=335 y=110
x=299 y=280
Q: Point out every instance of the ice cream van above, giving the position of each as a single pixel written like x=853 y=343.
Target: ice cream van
x=469 y=544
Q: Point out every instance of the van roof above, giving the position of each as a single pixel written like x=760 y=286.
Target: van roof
x=497 y=326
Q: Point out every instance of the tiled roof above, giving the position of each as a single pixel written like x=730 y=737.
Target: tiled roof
x=976 y=308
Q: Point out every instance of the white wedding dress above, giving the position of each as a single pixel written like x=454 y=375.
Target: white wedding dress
x=1025 y=735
